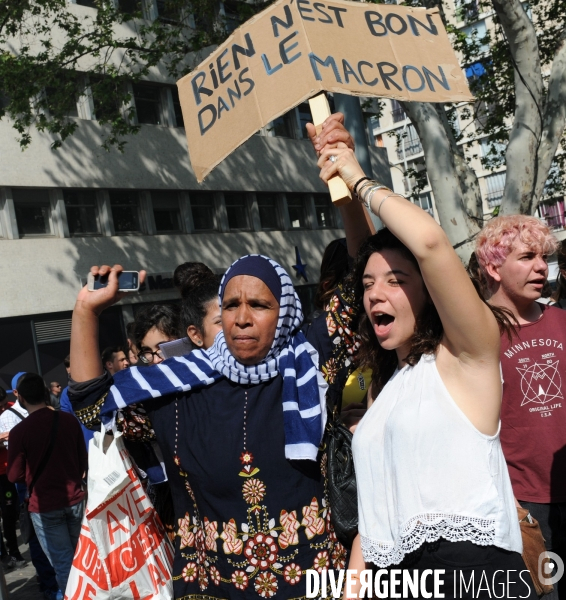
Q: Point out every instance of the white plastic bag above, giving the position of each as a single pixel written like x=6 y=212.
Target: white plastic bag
x=123 y=551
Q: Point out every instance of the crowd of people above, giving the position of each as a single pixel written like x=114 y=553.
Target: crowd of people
x=450 y=379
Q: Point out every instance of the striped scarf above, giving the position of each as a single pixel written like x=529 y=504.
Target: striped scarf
x=291 y=356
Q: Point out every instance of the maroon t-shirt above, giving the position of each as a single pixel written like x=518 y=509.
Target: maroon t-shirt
x=533 y=413
x=60 y=483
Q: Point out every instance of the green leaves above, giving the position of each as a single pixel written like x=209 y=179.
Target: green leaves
x=55 y=53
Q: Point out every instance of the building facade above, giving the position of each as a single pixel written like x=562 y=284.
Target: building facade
x=65 y=210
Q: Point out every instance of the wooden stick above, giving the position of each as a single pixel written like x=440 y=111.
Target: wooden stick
x=320 y=110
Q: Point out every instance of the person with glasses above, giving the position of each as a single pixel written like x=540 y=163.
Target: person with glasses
x=55 y=390
x=155 y=325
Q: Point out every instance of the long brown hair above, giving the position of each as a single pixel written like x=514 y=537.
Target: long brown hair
x=428 y=329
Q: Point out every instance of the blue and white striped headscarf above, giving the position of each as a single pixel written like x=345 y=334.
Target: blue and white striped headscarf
x=291 y=356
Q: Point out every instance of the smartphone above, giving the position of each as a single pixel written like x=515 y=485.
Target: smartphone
x=176 y=347
x=129 y=281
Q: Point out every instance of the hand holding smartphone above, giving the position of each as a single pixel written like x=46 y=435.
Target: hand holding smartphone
x=128 y=281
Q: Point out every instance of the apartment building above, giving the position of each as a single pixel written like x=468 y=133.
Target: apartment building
x=394 y=132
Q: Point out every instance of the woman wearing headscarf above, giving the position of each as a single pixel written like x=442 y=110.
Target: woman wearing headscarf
x=239 y=426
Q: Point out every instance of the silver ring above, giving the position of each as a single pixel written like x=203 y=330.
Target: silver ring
x=332 y=159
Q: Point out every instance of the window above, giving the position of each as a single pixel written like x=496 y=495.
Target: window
x=33 y=211
x=425 y=202
x=304 y=116
x=267 y=206
x=168 y=11
x=297 y=213
x=202 y=209
x=90 y=3
x=129 y=7
x=229 y=10
x=467 y=10
x=4 y=100
x=104 y=93
x=553 y=213
x=409 y=144
x=57 y=102
x=283 y=126
x=179 y=122
x=80 y=206
x=495 y=186
x=147 y=99
x=166 y=211
x=486 y=147
x=237 y=211
x=373 y=122
x=125 y=211
x=323 y=209
x=476 y=34
x=397 y=112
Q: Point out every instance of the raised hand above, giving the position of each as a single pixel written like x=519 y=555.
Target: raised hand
x=98 y=300
x=345 y=164
x=333 y=132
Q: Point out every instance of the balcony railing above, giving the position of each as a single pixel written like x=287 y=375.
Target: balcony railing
x=494 y=198
x=552 y=214
x=467 y=11
x=398 y=115
x=412 y=147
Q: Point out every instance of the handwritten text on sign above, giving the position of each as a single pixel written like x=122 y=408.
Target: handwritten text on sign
x=296 y=48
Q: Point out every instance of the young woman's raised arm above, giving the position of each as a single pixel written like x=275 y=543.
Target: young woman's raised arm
x=85 y=351
x=471 y=331
x=358 y=225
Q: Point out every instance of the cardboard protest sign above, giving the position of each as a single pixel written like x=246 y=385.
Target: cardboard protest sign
x=297 y=48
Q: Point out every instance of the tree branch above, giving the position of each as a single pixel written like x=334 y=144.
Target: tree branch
x=525 y=134
x=456 y=192
x=554 y=118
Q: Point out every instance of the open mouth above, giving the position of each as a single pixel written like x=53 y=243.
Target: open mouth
x=382 y=323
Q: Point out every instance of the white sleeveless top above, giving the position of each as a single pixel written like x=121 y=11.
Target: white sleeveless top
x=425 y=472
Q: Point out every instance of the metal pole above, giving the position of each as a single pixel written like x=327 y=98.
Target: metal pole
x=354 y=121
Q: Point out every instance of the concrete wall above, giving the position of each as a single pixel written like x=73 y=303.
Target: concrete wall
x=42 y=275
x=157 y=158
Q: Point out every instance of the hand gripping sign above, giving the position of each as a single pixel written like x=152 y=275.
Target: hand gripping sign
x=123 y=551
x=295 y=49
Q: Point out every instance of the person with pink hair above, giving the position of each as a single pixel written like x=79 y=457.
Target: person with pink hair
x=512 y=252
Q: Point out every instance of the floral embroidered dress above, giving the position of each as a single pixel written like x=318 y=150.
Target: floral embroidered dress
x=249 y=522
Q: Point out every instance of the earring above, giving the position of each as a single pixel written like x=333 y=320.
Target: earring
x=199 y=343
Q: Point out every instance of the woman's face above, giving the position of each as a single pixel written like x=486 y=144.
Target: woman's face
x=211 y=325
x=394 y=295
x=151 y=342
x=249 y=318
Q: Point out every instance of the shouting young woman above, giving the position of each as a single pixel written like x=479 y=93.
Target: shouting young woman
x=433 y=486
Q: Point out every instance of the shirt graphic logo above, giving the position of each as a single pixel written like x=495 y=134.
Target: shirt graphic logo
x=540 y=383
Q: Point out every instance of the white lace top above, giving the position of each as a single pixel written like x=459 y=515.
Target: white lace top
x=425 y=472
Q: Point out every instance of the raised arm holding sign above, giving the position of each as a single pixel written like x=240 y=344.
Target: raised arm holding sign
x=293 y=50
